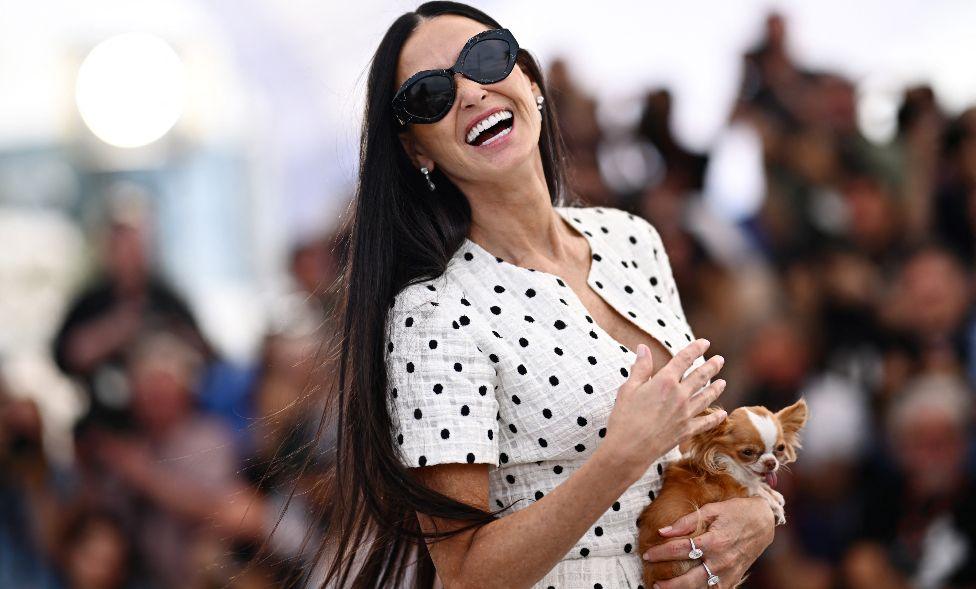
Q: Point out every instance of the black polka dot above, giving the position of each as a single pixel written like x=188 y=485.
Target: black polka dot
x=593 y=334
x=559 y=351
x=516 y=400
x=547 y=414
x=495 y=309
x=400 y=439
x=553 y=380
x=523 y=342
x=623 y=371
x=493 y=357
x=557 y=469
x=417 y=414
x=394 y=392
x=521 y=369
x=650 y=495
x=529 y=319
x=468 y=256
x=445 y=434
x=470 y=458
x=588 y=389
x=503 y=457
x=660 y=469
x=422 y=460
x=431 y=287
x=512 y=428
x=433 y=344
x=615 y=506
x=538 y=495
x=465 y=302
x=653 y=280
x=632 y=314
x=591 y=359
x=580 y=447
x=598 y=284
x=559 y=324
x=530 y=293
x=389 y=347
x=560 y=282
x=491 y=434
x=660 y=322
x=598 y=531
x=409 y=366
x=510 y=478
x=457 y=367
x=438 y=388
x=633 y=239
x=465 y=410
x=581 y=421
x=499 y=288
x=464 y=319
x=483 y=390
x=628 y=548
x=409 y=321
x=584 y=551
x=597 y=257
x=603 y=432
x=628 y=289
x=543 y=442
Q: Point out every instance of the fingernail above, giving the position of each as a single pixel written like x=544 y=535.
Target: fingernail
x=721 y=360
x=641 y=350
x=656 y=586
x=706 y=342
x=723 y=414
x=665 y=529
x=646 y=557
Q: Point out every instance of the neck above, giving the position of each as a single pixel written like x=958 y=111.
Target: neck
x=513 y=218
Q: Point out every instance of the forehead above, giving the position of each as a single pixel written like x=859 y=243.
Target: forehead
x=435 y=44
x=744 y=428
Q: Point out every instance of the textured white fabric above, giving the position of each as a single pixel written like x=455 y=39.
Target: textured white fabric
x=499 y=364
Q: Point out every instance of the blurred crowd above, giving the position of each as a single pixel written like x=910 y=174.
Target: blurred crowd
x=850 y=285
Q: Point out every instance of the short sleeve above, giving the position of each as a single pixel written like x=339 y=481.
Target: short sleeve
x=441 y=393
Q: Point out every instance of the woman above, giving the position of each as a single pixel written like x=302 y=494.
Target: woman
x=513 y=394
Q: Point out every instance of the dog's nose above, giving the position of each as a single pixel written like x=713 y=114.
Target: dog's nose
x=769 y=463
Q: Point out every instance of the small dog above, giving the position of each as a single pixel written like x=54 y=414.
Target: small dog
x=738 y=458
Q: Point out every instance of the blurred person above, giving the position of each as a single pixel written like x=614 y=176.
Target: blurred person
x=918 y=526
x=32 y=491
x=918 y=143
x=684 y=169
x=167 y=476
x=425 y=473
x=931 y=300
x=103 y=321
x=95 y=552
x=771 y=80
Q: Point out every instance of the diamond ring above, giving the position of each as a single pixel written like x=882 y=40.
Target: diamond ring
x=695 y=551
x=713 y=579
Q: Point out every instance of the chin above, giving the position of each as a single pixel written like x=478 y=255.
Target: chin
x=741 y=457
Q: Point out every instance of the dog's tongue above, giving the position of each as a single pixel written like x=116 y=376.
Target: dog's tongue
x=771 y=479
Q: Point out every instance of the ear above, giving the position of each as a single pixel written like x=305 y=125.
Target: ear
x=700 y=447
x=415 y=152
x=792 y=418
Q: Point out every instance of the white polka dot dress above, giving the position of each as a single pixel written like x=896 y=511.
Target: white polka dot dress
x=499 y=364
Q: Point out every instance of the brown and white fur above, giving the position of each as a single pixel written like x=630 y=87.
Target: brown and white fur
x=738 y=458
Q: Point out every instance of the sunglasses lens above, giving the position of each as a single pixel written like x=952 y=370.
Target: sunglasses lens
x=429 y=97
x=488 y=61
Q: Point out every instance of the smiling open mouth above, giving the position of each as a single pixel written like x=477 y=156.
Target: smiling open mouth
x=491 y=129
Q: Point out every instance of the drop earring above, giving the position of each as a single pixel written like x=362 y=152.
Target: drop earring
x=426 y=173
x=539 y=100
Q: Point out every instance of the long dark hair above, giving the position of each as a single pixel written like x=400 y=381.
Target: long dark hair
x=400 y=233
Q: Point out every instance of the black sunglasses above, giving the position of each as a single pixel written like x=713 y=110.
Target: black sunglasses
x=427 y=96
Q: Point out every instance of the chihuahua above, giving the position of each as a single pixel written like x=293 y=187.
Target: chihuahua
x=738 y=458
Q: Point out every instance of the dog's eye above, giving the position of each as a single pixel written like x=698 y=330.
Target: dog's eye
x=747 y=452
x=781 y=447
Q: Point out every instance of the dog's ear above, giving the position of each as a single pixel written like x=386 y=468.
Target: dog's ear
x=792 y=418
x=701 y=446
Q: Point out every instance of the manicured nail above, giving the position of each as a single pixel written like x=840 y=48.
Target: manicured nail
x=706 y=342
x=641 y=350
x=656 y=586
x=646 y=557
x=720 y=360
x=665 y=529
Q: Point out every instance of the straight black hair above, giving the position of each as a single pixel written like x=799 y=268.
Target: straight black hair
x=400 y=233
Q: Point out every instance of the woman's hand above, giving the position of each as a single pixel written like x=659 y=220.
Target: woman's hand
x=653 y=414
x=738 y=532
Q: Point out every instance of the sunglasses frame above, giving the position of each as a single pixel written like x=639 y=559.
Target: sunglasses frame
x=400 y=98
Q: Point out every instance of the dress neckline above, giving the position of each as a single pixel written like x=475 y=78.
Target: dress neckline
x=593 y=242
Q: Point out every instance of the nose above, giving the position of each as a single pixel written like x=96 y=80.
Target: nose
x=469 y=92
x=769 y=463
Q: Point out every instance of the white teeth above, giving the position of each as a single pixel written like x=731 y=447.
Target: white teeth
x=488 y=122
x=499 y=136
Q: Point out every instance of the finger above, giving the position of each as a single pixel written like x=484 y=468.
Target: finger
x=706 y=397
x=699 y=377
x=643 y=366
x=701 y=424
x=683 y=360
x=688 y=523
x=678 y=548
x=696 y=578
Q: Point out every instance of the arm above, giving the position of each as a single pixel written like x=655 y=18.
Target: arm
x=519 y=549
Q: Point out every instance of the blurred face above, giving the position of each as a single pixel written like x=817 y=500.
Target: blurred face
x=126 y=255
x=932 y=450
x=436 y=43
x=161 y=397
x=98 y=559
x=936 y=290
